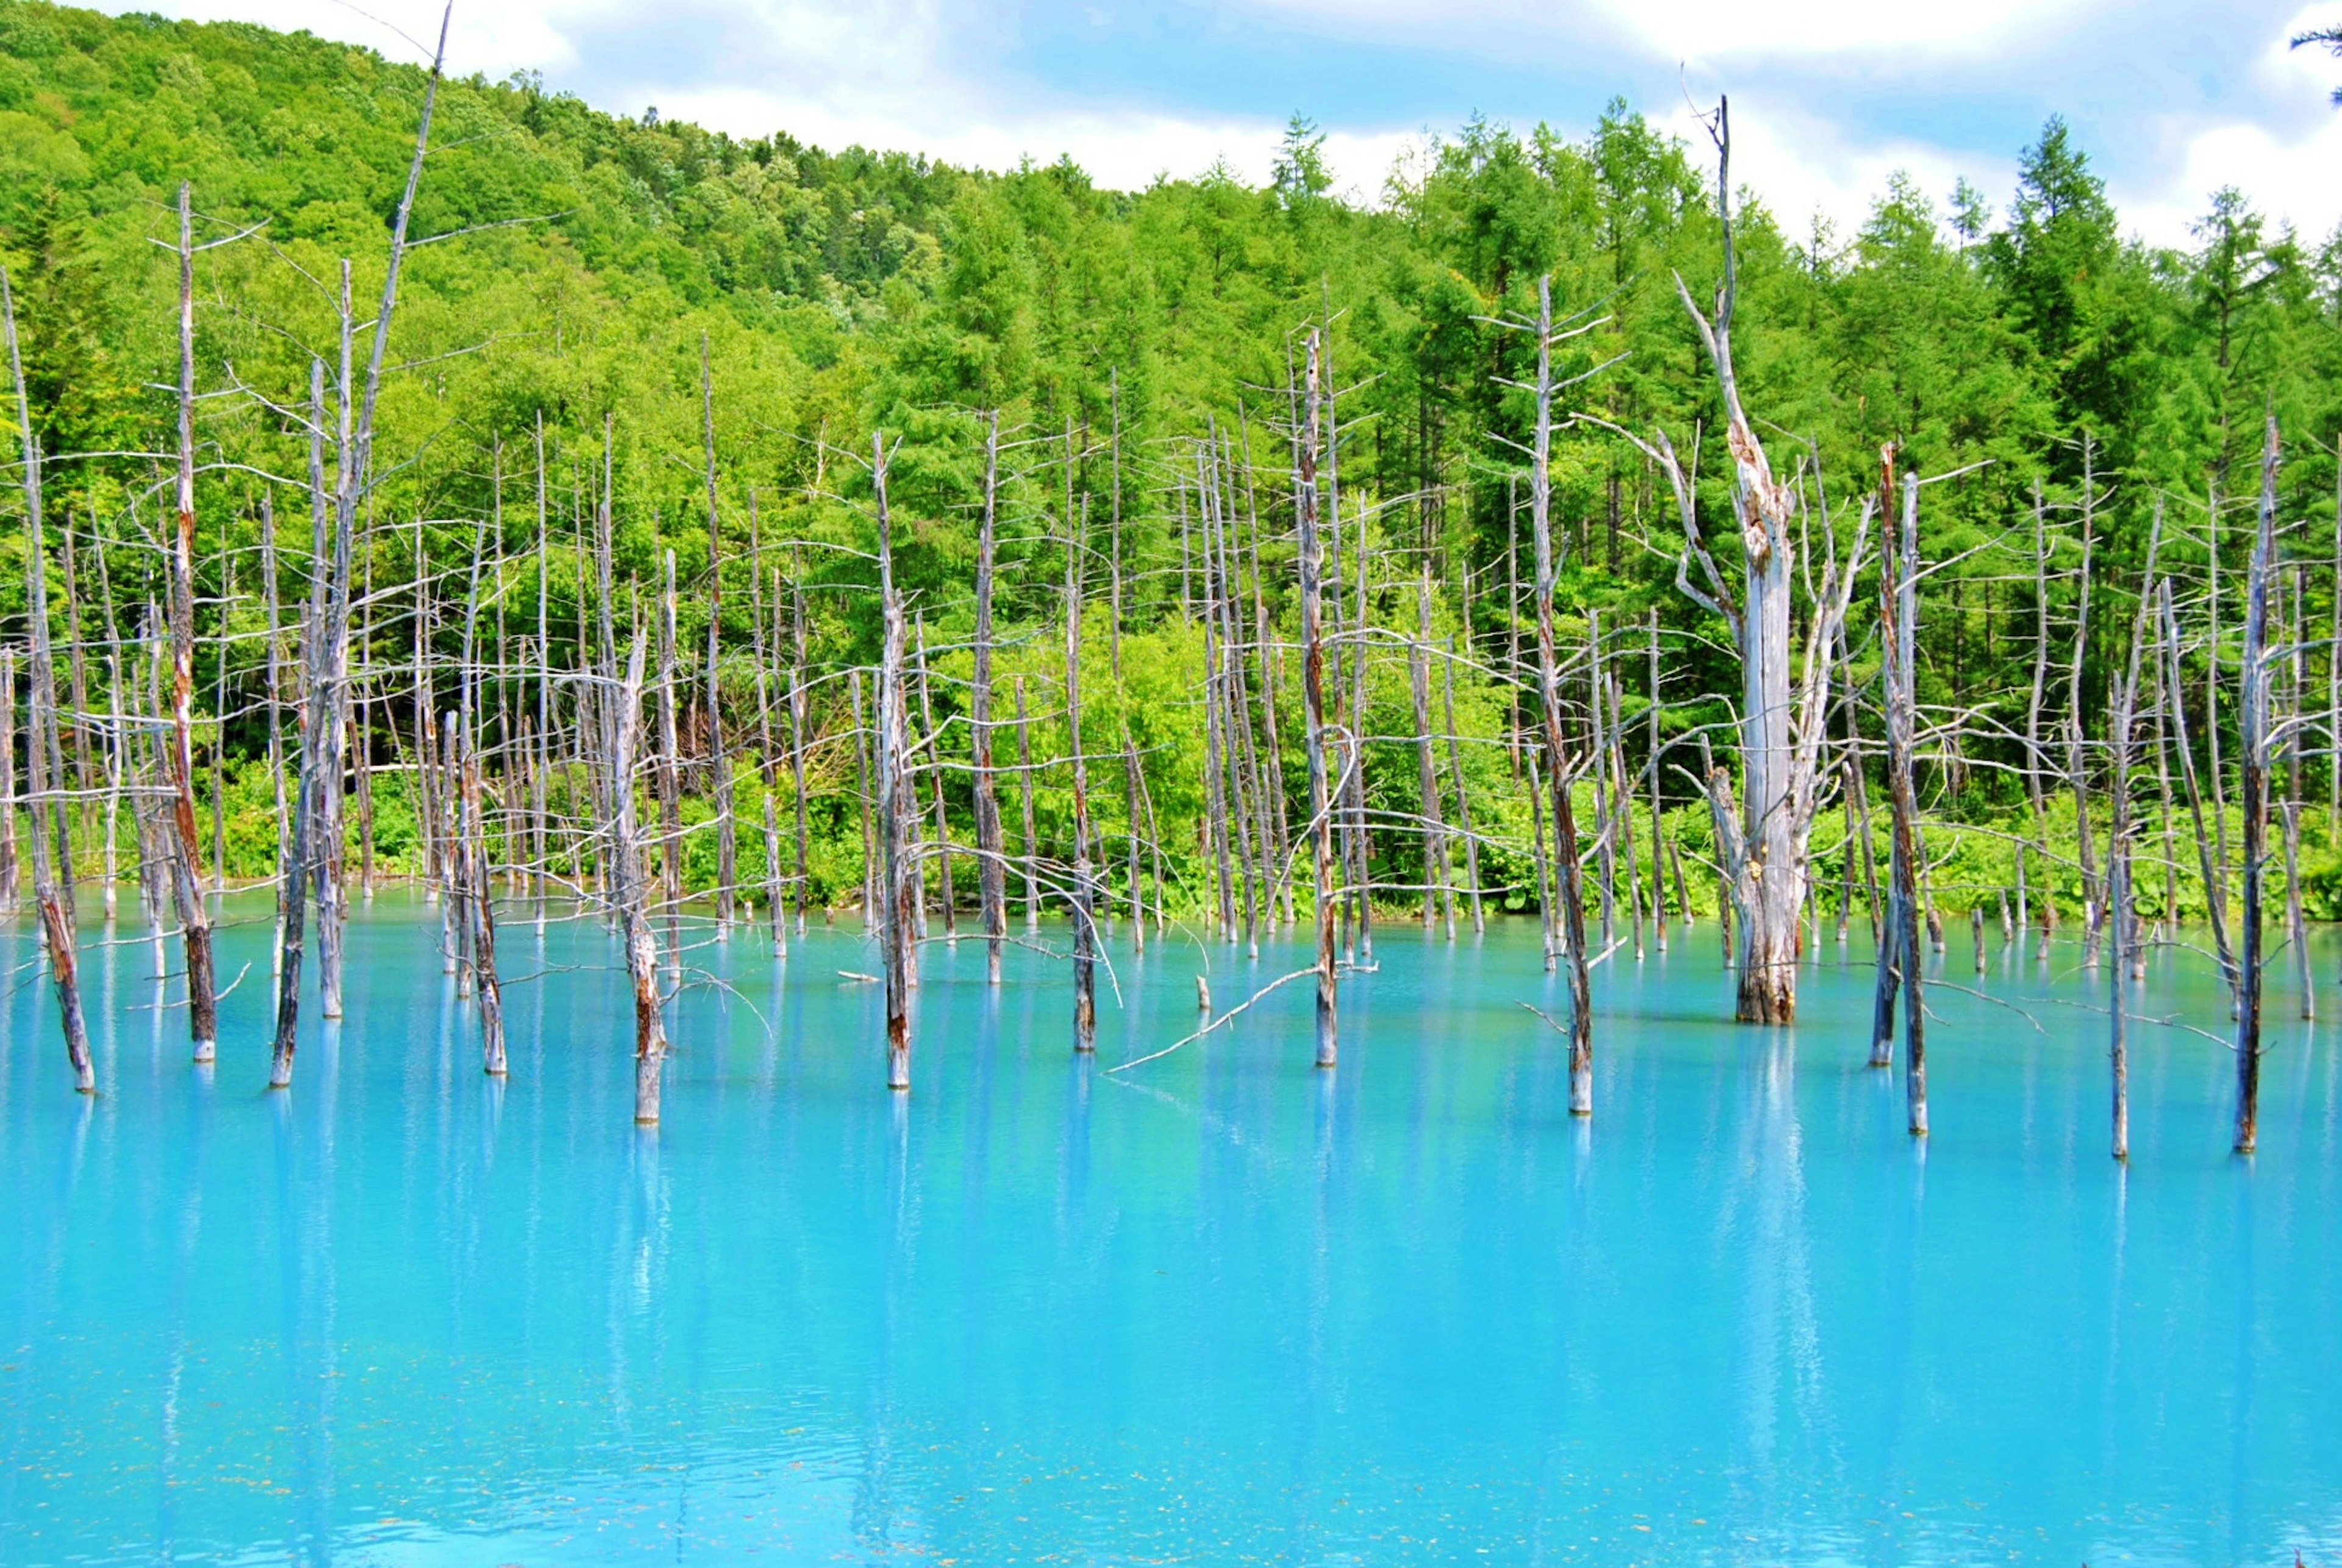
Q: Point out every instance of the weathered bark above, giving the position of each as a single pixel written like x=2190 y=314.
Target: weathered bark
x=2209 y=865
x=1899 y=605
x=727 y=838
x=2253 y=746
x=1084 y=894
x=1463 y=797
x=1568 y=892
x=194 y=915
x=1435 y=837
x=897 y=800
x=1131 y=788
x=52 y=880
x=9 y=876
x=629 y=886
x=1784 y=719
x=992 y=871
x=797 y=725
x=1310 y=562
x=482 y=898
x=1031 y=848
x=942 y=822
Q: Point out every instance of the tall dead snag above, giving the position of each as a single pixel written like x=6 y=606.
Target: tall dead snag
x=630 y=879
x=1784 y=708
x=1569 y=890
x=1311 y=562
x=1898 y=598
x=2122 y=913
x=797 y=699
x=1435 y=837
x=194 y=916
x=2253 y=738
x=1024 y=788
x=897 y=798
x=1463 y=799
x=1085 y=895
x=947 y=896
x=52 y=880
x=8 y=876
x=727 y=840
x=991 y=871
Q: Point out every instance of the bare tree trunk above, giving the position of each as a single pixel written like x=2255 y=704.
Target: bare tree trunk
x=2252 y=806
x=797 y=725
x=1313 y=697
x=194 y=916
x=8 y=868
x=942 y=822
x=1568 y=892
x=2216 y=897
x=1784 y=717
x=1658 y=828
x=1899 y=606
x=630 y=885
x=992 y=871
x=2297 y=928
x=1084 y=894
x=1032 y=851
x=1463 y=798
x=1131 y=794
x=1435 y=839
x=727 y=838
x=51 y=881
x=896 y=800
x=481 y=900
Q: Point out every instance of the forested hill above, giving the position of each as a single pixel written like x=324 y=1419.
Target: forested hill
x=840 y=292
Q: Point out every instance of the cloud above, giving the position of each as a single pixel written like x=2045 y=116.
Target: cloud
x=1704 y=30
x=2172 y=98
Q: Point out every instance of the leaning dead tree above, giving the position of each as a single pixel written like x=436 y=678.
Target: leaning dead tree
x=1784 y=721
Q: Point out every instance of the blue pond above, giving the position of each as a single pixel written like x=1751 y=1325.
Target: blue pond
x=1222 y=1308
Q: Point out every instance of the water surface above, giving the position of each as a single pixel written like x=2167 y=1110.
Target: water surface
x=1221 y=1308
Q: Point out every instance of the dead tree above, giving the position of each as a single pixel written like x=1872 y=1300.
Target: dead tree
x=1311 y=562
x=2254 y=747
x=898 y=799
x=1463 y=798
x=1083 y=894
x=630 y=891
x=52 y=880
x=2122 y=914
x=991 y=869
x=8 y=867
x=1434 y=838
x=194 y=915
x=727 y=841
x=1569 y=892
x=1899 y=611
x=1784 y=696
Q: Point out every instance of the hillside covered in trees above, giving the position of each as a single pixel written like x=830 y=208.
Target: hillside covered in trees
x=578 y=269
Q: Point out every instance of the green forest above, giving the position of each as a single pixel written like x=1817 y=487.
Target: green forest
x=703 y=333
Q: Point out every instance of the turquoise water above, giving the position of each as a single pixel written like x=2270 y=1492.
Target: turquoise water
x=1221 y=1308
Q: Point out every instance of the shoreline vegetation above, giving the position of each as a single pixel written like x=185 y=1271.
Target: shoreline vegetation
x=420 y=477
